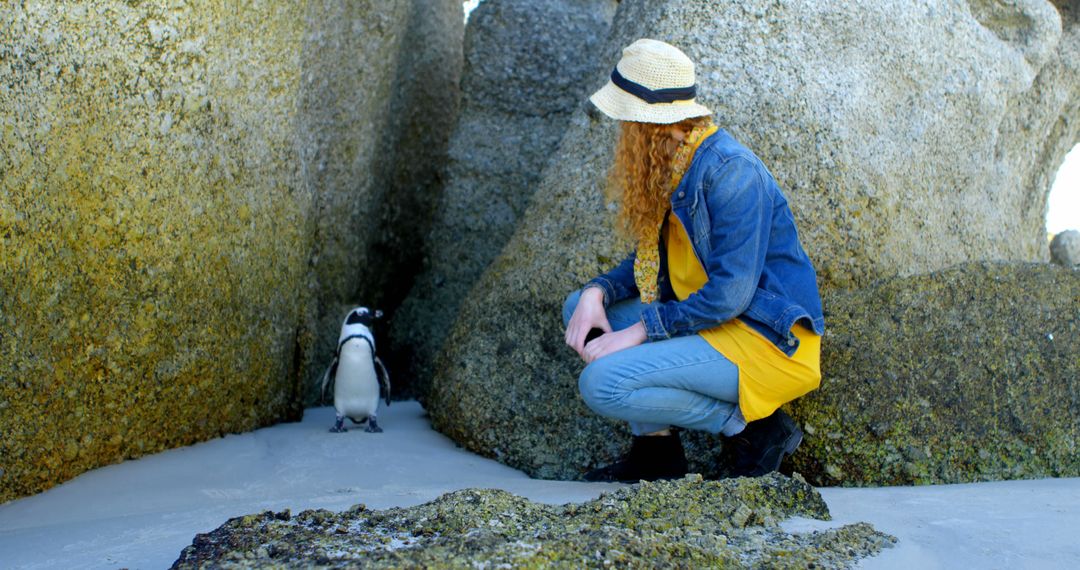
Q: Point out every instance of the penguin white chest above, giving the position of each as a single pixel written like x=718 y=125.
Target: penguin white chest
x=356 y=387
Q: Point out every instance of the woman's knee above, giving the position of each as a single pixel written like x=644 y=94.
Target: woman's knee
x=569 y=305
x=597 y=385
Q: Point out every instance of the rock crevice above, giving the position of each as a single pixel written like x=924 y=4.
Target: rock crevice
x=525 y=66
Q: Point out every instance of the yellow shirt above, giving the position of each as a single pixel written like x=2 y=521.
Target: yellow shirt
x=767 y=376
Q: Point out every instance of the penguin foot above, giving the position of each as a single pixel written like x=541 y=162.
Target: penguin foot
x=339 y=426
x=373 y=427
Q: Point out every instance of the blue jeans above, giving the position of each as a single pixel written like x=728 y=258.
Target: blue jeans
x=681 y=381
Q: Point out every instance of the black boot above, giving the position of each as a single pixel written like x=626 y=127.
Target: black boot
x=651 y=457
x=763 y=444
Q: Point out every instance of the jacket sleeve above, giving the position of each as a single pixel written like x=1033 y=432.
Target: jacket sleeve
x=740 y=213
x=618 y=283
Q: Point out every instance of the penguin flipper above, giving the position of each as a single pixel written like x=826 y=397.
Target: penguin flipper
x=328 y=380
x=384 y=380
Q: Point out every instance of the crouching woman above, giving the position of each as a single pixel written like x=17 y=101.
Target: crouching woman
x=715 y=320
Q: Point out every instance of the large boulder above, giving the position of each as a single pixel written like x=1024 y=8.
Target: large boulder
x=683 y=524
x=526 y=63
x=1065 y=248
x=968 y=374
x=184 y=190
x=908 y=137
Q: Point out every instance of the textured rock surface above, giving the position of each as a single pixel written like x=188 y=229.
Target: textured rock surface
x=907 y=136
x=526 y=62
x=681 y=524
x=184 y=189
x=1065 y=248
x=969 y=374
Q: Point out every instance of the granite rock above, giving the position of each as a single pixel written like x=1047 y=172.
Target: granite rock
x=526 y=62
x=1065 y=248
x=967 y=374
x=907 y=136
x=688 y=523
x=185 y=189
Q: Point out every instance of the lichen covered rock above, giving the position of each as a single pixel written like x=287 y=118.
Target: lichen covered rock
x=679 y=524
x=526 y=63
x=968 y=374
x=907 y=136
x=182 y=191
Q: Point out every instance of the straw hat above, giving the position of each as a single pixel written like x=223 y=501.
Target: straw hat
x=652 y=83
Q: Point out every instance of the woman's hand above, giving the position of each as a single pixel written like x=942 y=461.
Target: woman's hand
x=588 y=315
x=614 y=342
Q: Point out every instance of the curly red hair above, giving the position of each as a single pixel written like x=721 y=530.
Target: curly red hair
x=640 y=175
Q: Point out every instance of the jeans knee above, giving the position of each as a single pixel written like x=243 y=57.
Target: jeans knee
x=595 y=385
x=569 y=305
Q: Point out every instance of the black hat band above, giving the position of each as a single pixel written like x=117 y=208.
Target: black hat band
x=652 y=96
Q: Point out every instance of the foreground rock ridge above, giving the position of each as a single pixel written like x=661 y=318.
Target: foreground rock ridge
x=688 y=523
x=187 y=191
x=526 y=64
x=909 y=138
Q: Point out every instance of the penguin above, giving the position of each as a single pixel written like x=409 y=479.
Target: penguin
x=358 y=375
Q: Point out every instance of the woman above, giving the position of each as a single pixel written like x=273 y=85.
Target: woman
x=715 y=320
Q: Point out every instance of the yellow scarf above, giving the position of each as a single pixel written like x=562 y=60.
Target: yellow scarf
x=647 y=261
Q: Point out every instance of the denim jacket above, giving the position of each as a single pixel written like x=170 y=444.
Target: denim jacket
x=743 y=233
